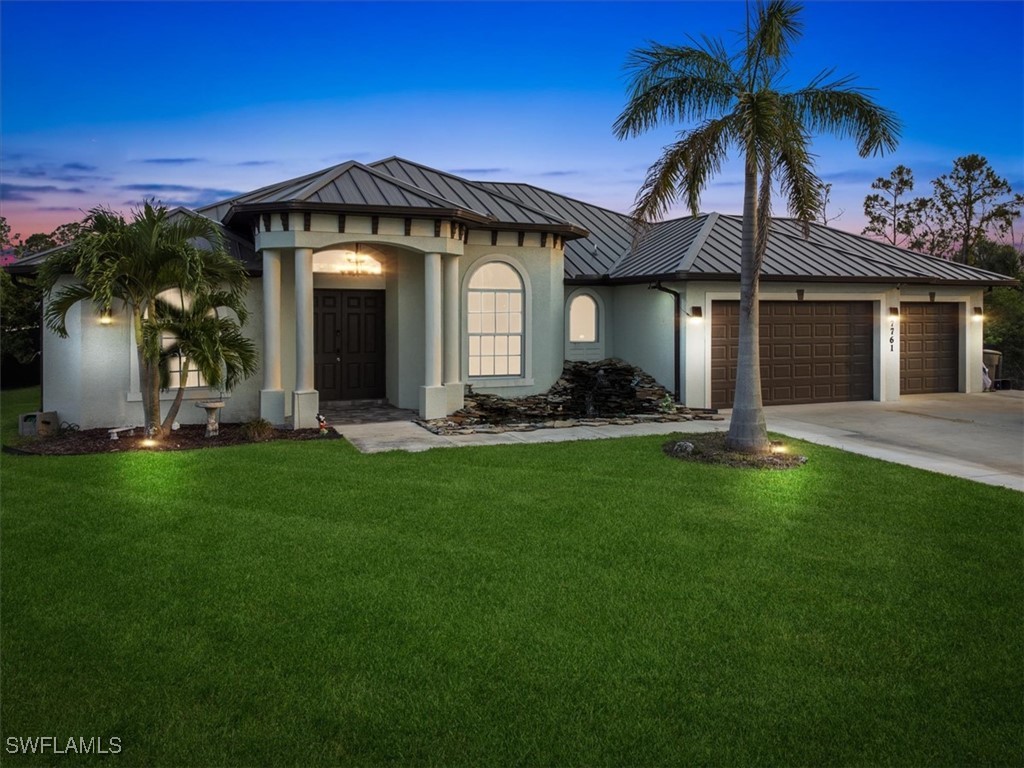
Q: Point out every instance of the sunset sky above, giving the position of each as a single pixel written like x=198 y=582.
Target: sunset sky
x=188 y=102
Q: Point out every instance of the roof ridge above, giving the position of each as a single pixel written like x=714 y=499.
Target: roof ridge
x=265 y=189
x=560 y=194
x=547 y=214
x=323 y=178
x=711 y=219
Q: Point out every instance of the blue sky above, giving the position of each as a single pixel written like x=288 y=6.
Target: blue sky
x=188 y=102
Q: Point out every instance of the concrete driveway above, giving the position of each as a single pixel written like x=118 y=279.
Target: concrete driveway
x=980 y=437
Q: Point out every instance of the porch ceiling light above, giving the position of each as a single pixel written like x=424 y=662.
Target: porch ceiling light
x=345 y=262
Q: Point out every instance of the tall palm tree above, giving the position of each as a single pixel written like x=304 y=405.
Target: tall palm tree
x=200 y=335
x=738 y=100
x=133 y=263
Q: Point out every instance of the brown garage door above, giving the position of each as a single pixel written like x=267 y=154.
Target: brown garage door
x=929 y=347
x=811 y=351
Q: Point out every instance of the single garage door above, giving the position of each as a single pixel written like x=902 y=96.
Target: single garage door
x=929 y=347
x=811 y=351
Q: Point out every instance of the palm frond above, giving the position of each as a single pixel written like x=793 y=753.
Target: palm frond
x=845 y=110
x=670 y=84
x=56 y=314
x=776 y=29
x=684 y=169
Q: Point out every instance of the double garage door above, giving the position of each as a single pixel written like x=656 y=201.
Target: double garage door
x=822 y=351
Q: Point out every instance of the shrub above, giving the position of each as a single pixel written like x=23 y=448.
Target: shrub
x=258 y=429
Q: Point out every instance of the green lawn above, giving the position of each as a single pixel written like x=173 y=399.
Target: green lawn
x=591 y=603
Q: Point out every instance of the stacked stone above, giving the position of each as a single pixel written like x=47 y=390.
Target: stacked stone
x=589 y=394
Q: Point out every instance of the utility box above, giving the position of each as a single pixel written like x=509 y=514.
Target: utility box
x=38 y=424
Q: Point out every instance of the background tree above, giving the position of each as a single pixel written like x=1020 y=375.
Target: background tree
x=740 y=101
x=891 y=216
x=826 y=199
x=117 y=263
x=19 y=309
x=1004 y=306
x=970 y=204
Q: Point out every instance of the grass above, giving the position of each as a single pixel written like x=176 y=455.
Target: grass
x=592 y=603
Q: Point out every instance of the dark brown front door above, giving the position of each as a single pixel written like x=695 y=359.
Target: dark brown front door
x=811 y=351
x=349 y=342
x=929 y=347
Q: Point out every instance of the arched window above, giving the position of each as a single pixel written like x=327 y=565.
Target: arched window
x=583 y=319
x=494 y=313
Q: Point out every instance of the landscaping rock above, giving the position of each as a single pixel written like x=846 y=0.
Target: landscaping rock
x=586 y=394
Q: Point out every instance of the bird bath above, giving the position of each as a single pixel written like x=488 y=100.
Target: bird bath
x=212 y=412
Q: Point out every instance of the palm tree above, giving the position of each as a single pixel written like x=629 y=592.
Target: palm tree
x=134 y=262
x=203 y=337
x=738 y=101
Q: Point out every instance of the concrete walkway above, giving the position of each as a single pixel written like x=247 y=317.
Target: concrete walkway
x=978 y=437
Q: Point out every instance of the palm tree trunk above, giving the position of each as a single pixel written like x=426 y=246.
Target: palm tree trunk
x=140 y=351
x=152 y=384
x=172 y=412
x=747 y=430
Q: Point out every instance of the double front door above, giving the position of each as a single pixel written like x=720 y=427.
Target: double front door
x=349 y=342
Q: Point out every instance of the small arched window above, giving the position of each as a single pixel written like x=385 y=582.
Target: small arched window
x=583 y=319
x=494 y=315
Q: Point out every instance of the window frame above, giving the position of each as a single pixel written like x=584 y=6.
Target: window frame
x=525 y=376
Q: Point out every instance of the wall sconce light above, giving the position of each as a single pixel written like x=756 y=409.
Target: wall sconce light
x=894 y=313
x=106 y=317
x=931 y=296
x=799 y=294
x=978 y=315
x=696 y=314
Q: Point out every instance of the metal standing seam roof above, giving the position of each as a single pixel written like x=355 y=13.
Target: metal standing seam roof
x=470 y=194
x=706 y=246
x=611 y=233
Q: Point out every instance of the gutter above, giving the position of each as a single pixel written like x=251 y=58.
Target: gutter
x=678 y=315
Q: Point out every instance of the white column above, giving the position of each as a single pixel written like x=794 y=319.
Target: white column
x=433 y=398
x=271 y=319
x=305 y=399
x=272 y=395
x=432 y=320
x=452 y=350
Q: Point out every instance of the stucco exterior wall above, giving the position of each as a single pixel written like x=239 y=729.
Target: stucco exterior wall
x=601 y=348
x=541 y=268
x=643 y=330
x=92 y=379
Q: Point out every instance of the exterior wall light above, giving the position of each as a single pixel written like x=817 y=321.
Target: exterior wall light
x=106 y=317
x=978 y=315
x=894 y=313
x=696 y=314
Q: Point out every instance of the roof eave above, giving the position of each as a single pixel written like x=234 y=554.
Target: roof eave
x=460 y=214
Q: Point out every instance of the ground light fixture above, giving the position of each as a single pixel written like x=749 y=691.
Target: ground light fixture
x=777 y=447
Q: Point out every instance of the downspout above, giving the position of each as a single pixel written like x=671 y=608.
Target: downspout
x=678 y=316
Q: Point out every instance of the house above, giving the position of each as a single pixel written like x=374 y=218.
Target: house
x=399 y=282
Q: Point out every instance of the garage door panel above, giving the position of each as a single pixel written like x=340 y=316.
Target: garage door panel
x=929 y=347
x=819 y=351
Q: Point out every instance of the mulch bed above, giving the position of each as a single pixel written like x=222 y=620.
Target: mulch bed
x=710 y=448
x=188 y=437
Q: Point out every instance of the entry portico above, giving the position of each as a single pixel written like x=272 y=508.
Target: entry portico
x=321 y=232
